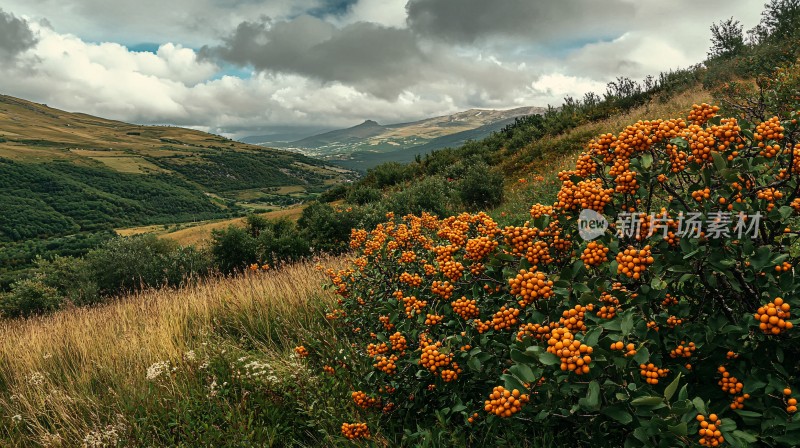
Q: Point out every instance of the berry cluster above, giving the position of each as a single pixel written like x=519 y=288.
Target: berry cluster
x=772 y=317
x=729 y=383
x=386 y=364
x=398 y=341
x=594 y=254
x=431 y=358
x=791 y=403
x=619 y=345
x=412 y=280
x=433 y=319
x=609 y=308
x=701 y=113
x=537 y=331
x=479 y=248
x=530 y=286
x=574 y=355
x=467 y=309
x=539 y=210
x=710 y=434
x=673 y=321
x=451 y=374
x=683 y=351
x=505 y=318
x=586 y=194
x=738 y=402
x=442 y=289
x=355 y=431
x=363 y=400
x=301 y=351
x=652 y=373
x=633 y=262
x=505 y=403
x=699 y=195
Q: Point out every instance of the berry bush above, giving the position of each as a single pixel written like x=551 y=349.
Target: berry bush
x=659 y=332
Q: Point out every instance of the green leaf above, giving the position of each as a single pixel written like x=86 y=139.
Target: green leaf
x=719 y=161
x=673 y=386
x=549 y=359
x=745 y=436
x=761 y=258
x=744 y=413
x=580 y=287
x=474 y=364
x=647 y=401
x=642 y=355
x=684 y=393
x=700 y=405
x=658 y=284
x=523 y=372
x=680 y=429
x=458 y=408
x=518 y=356
x=592 y=336
x=618 y=414
x=592 y=400
x=511 y=382
x=627 y=324
x=647 y=161
x=785 y=212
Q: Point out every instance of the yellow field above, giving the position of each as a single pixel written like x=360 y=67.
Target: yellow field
x=198 y=234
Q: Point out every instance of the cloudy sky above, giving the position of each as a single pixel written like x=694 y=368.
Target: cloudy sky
x=244 y=67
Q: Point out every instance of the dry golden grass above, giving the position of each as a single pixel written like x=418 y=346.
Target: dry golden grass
x=63 y=372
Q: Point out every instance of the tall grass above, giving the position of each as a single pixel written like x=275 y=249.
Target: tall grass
x=81 y=372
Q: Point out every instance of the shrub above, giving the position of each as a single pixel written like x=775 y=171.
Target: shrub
x=432 y=194
x=652 y=334
x=72 y=277
x=361 y=195
x=29 y=297
x=389 y=174
x=481 y=187
x=126 y=264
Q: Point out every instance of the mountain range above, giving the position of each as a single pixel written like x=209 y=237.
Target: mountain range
x=370 y=143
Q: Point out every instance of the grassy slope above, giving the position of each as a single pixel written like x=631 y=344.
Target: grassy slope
x=80 y=370
x=197 y=163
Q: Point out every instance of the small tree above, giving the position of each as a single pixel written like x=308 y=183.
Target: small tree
x=727 y=39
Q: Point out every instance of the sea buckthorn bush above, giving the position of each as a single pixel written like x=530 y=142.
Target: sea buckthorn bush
x=655 y=334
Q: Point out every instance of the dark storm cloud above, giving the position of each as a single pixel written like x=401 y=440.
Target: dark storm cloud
x=15 y=35
x=380 y=60
x=466 y=21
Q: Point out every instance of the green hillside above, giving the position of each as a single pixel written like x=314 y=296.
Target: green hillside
x=69 y=179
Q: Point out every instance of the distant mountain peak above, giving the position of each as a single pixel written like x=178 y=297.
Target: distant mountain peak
x=369 y=123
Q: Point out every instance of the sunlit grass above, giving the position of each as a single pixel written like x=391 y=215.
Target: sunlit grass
x=75 y=371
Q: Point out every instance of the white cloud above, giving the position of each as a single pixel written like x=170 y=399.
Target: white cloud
x=353 y=79
x=384 y=12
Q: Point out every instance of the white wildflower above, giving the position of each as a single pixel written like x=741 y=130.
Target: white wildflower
x=190 y=356
x=36 y=379
x=48 y=440
x=16 y=419
x=157 y=369
x=47 y=355
x=205 y=364
x=107 y=437
x=213 y=389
